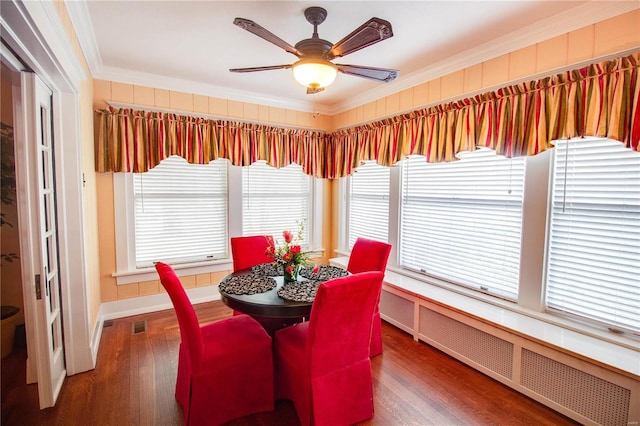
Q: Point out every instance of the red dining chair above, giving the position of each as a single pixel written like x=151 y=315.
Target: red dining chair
x=323 y=365
x=250 y=251
x=225 y=368
x=370 y=255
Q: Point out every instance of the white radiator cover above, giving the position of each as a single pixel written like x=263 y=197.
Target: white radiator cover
x=583 y=391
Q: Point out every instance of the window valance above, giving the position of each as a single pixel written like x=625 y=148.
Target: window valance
x=135 y=141
x=597 y=100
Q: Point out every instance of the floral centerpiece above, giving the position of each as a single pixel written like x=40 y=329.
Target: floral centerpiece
x=290 y=255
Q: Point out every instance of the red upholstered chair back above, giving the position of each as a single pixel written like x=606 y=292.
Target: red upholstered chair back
x=250 y=251
x=340 y=322
x=368 y=255
x=190 y=333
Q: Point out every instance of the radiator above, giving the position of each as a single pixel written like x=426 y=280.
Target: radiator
x=585 y=392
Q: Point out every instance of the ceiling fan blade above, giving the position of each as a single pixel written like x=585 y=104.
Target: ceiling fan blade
x=371 y=32
x=379 y=74
x=265 y=34
x=253 y=69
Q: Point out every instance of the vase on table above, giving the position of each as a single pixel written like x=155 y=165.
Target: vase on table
x=291 y=273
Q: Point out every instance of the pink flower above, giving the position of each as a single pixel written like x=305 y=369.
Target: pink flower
x=316 y=269
x=290 y=253
x=289 y=269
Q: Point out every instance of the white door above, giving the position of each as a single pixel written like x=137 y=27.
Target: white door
x=45 y=297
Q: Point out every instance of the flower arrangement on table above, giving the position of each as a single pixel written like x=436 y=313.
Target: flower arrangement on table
x=290 y=255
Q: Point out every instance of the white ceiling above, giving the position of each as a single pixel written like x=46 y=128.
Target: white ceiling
x=190 y=45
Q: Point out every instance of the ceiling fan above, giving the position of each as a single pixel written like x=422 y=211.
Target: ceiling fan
x=314 y=68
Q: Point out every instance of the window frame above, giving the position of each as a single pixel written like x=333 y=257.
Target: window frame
x=124 y=225
x=491 y=198
x=592 y=321
x=308 y=218
x=346 y=242
x=536 y=215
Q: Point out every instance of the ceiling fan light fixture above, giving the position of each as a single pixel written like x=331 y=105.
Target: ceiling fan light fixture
x=314 y=73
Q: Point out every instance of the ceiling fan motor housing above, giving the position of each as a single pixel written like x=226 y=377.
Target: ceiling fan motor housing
x=314 y=47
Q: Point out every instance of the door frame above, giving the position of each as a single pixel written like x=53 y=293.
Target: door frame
x=33 y=31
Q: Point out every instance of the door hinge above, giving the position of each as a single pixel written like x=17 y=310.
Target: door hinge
x=38 y=289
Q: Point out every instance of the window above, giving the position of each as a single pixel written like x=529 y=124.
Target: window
x=593 y=265
x=180 y=212
x=368 y=212
x=566 y=244
x=461 y=221
x=185 y=214
x=274 y=200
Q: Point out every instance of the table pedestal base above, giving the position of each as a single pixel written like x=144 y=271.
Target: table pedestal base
x=271 y=325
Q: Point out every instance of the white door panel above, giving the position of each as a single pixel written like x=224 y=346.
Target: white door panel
x=43 y=241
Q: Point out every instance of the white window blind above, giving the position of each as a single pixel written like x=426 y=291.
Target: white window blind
x=369 y=203
x=461 y=221
x=275 y=200
x=181 y=212
x=593 y=266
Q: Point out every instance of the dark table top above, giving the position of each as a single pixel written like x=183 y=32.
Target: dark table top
x=267 y=304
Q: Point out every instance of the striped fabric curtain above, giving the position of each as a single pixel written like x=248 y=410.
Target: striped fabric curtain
x=136 y=141
x=597 y=100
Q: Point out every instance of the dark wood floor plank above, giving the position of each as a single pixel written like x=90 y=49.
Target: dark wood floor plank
x=134 y=382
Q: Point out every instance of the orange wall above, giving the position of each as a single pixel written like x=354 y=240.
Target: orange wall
x=188 y=102
x=587 y=44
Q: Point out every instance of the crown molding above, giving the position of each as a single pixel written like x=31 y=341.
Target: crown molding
x=81 y=21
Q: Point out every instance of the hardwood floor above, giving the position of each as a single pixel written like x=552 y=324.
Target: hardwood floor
x=133 y=384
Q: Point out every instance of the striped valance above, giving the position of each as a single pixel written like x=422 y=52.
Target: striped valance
x=597 y=100
x=136 y=141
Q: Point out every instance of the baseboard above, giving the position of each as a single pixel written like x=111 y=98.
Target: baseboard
x=153 y=303
x=142 y=305
x=96 y=336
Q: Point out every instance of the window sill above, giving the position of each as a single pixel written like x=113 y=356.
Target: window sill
x=185 y=269
x=607 y=349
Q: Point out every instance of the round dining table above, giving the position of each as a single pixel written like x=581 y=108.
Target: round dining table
x=267 y=304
